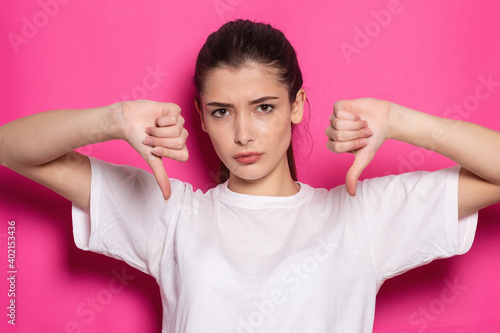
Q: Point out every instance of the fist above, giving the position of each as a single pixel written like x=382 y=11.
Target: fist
x=360 y=127
x=155 y=130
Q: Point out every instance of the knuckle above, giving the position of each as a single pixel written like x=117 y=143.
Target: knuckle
x=182 y=132
x=341 y=147
x=329 y=130
x=337 y=124
x=337 y=104
x=171 y=120
x=184 y=155
x=333 y=146
x=180 y=143
x=173 y=108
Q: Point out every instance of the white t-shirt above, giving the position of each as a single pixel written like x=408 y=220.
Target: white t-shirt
x=310 y=262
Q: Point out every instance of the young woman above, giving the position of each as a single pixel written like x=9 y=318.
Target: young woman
x=261 y=252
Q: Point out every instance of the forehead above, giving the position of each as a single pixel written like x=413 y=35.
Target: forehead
x=252 y=81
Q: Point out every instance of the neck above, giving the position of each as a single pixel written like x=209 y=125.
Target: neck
x=278 y=182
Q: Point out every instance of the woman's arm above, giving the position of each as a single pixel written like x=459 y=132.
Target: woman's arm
x=475 y=148
x=40 y=146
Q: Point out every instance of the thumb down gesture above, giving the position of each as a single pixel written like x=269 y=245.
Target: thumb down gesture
x=155 y=130
x=360 y=127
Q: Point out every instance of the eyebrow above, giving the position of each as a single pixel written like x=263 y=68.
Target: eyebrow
x=257 y=101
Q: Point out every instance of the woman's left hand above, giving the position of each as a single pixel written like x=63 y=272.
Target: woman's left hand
x=358 y=126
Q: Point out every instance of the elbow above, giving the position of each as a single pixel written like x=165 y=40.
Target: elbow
x=4 y=148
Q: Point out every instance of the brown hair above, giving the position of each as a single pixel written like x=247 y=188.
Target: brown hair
x=240 y=42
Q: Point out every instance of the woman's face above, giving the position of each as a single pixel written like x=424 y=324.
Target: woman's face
x=248 y=116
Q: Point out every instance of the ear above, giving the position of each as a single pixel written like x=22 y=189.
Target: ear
x=298 y=106
x=200 y=112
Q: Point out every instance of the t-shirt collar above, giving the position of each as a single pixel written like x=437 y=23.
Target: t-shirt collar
x=228 y=197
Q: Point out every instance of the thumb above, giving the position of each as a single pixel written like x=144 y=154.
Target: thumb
x=156 y=165
x=361 y=161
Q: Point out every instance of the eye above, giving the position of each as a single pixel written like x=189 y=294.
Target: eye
x=219 y=113
x=265 y=108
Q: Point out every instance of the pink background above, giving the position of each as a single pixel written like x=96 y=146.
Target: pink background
x=75 y=54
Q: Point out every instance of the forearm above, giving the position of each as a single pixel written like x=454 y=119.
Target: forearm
x=43 y=137
x=474 y=147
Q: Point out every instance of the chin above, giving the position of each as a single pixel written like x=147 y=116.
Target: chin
x=249 y=174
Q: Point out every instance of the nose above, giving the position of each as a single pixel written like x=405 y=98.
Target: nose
x=244 y=132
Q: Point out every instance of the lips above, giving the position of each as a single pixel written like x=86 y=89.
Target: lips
x=252 y=153
x=248 y=158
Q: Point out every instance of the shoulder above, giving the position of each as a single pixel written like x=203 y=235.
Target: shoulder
x=127 y=180
x=388 y=187
x=410 y=181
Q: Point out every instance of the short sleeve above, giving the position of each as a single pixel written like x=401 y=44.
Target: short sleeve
x=412 y=219
x=128 y=219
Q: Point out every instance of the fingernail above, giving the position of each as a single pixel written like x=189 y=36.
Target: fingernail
x=368 y=131
x=157 y=151
x=363 y=141
x=148 y=131
x=148 y=141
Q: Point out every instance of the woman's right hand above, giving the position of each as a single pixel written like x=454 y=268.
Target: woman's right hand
x=154 y=130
